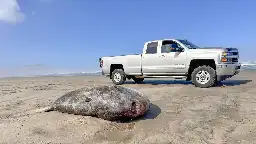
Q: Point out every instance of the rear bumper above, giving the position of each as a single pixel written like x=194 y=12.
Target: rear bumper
x=104 y=70
x=227 y=70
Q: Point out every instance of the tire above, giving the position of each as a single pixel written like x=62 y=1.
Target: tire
x=208 y=78
x=138 y=80
x=118 y=77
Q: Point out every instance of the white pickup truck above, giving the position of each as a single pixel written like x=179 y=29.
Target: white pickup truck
x=175 y=58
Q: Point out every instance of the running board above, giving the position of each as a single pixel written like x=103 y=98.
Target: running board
x=175 y=77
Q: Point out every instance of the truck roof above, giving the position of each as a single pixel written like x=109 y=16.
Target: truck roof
x=164 y=39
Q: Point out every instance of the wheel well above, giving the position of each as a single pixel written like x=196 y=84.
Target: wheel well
x=200 y=62
x=115 y=66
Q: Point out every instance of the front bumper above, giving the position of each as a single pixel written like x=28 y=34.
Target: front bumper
x=225 y=71
x=228 y=69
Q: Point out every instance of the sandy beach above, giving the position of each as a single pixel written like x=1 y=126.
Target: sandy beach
x=180 y=113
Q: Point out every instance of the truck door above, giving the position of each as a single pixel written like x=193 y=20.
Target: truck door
x=172 y=58
x=150 y=58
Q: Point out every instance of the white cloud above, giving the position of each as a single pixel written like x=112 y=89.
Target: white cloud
x=10 y=12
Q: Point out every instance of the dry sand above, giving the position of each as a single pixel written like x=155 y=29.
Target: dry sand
x=180 y=113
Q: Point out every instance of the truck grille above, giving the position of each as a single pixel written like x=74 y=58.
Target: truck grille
x=234 y=59
x=235 y=53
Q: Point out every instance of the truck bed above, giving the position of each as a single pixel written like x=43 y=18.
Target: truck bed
x=130 y=63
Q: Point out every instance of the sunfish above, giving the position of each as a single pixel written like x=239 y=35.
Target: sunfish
x=109 y=102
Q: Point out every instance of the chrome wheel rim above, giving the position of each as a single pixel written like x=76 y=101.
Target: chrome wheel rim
x=117 y=77
x=203 y=77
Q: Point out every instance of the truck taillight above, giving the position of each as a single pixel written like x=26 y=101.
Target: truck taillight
x=101 y=62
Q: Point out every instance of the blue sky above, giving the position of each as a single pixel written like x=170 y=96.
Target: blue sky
x=70 y=35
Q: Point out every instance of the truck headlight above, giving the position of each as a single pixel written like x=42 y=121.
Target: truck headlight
x=227 y=53
x=223 y=56
x=224 y=53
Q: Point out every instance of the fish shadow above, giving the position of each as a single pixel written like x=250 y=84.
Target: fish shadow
x=183 y=82
x=232 y=83
x=152 y=113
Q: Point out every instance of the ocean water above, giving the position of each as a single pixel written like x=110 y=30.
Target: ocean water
x=248 y=68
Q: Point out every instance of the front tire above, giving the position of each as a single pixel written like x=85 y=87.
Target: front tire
x=118 y=77
x=204 y=76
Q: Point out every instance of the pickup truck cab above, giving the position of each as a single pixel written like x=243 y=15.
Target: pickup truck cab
x=176 y=58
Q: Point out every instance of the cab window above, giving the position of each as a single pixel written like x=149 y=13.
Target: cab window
x=169 y=46
x=151 y=48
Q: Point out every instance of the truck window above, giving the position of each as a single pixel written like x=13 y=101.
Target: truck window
x=151 y=48
x=165 y=49
x=169 y=46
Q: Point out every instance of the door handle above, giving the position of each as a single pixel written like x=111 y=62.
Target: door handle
x=162 y=55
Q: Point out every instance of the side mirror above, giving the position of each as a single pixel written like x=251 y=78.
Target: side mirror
x=180 y=49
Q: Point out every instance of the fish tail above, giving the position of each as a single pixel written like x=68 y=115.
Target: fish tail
x=45 y=109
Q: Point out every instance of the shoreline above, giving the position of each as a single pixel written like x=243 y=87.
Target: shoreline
x=81 y=75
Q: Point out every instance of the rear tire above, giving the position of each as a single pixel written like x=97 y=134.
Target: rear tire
x=204 y=76
x=138 y=80
x=118 y=77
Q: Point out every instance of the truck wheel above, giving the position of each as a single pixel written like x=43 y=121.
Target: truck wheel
x=118 y=76
x=204 y=76
x=138 y=80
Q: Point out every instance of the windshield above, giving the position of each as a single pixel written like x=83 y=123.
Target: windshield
x=188 y=44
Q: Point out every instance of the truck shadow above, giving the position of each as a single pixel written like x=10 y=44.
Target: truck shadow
x=161 y=82
x=183 y=82
x=232 y=82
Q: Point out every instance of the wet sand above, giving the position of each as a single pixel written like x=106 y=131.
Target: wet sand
x=180 y=113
